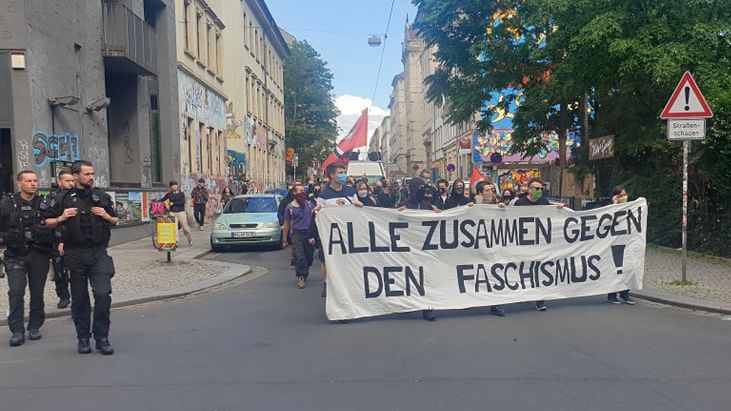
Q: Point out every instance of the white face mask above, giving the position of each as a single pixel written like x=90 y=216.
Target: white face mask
x=362 y=193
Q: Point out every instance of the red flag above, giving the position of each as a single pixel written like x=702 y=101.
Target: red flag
x=476 y=176
x=356 y=137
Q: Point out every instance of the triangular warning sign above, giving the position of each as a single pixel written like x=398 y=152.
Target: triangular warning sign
x=687 y=101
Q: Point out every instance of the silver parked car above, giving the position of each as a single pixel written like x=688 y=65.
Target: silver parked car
x=248 y=219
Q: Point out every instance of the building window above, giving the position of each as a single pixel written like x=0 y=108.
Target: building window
x=256 y=40
x=210 y=42
x=186 y=21
x=191 y=145
x=246 y=43
x=219 y=55
x=199 y=149
x=251 y=28
x=198 y=34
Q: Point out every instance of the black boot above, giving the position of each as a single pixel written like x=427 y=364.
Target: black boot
x=103 y=346
x=17 y=339
x=34 y=334
x=84 y=346
x=63 y=303
x=428 y=315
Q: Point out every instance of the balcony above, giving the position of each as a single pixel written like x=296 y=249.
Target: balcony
x=128 y=43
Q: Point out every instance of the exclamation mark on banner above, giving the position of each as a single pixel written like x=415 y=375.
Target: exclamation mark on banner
x=618 y=256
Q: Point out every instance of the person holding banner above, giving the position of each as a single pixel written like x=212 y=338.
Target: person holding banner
x=619 y=196
x=441 y=199
x=298 y=228
x=534 y=196
x=458 y=197
x=176 y=199
x=418 y=201
x=337 y=193
x=364 y=194
x=387 y=198
x=486 y=194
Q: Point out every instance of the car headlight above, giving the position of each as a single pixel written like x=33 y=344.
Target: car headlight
x=219 y=226
x=270 y=224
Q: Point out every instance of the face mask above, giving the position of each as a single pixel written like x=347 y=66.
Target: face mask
x=459 y=191
x=342 y=178
x=362 y=193
x=300 y=197
x=536 y=194
x=442 y=190
x=316 y=192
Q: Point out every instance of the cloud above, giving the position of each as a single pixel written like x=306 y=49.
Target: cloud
x=350 y=108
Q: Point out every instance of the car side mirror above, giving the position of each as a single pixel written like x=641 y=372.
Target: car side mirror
x=217 y=212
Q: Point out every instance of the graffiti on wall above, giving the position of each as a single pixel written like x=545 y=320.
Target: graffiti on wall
x=510 y=179
x=54 y=147
x=201 y=102
x=500 y=141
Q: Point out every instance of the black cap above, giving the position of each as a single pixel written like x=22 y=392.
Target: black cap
x=172 y=183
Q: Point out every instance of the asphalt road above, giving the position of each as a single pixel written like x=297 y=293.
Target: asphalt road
x=262 y=344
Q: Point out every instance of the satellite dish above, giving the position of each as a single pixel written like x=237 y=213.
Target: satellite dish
x=374 y=41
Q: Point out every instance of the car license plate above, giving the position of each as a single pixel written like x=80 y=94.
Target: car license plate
x=242 y=234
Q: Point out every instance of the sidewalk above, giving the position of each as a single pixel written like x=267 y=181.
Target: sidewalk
x=711 y=276
x=143 y=274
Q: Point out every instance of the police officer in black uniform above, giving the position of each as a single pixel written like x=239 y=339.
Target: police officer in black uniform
x=86 y=214
x=28 y=240
x=65 y=181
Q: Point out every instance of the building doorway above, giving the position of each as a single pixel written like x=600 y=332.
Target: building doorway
x=6 y=161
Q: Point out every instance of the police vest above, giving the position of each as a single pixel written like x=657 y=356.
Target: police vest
x=26 y=225
x=85 y=229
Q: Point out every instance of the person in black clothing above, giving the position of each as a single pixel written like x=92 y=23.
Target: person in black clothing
x=87 y=214
x=440 y=199
x=507 y=196
x=534 y=196
x=176 y=199
x=364 y=195
x=29 y=240
x=418 y=201
x=60 y=272
x=457 y=197
x=387 y=198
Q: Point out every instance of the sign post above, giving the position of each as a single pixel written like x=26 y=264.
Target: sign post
x=686 y=112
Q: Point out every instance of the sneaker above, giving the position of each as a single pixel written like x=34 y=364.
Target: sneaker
x=103 y=346
x=34 y=334
x=190 y=242
x=613 y=300
x=300 y=282
x=201 y=228
x=83 y=346
x=497 y=310
x=324 y=290
x=628 y=301
x=541 y=307
x=63 y=303
x=17 y=339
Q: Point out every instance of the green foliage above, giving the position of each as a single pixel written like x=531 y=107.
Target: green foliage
x=626 y=56
x=309 y=109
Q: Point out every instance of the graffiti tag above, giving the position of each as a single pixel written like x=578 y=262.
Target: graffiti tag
x=54 y=147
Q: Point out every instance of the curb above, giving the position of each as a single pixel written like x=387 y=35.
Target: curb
x=696 y=304
x=233 y=272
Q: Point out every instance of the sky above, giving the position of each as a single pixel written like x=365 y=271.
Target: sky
x=339 y=31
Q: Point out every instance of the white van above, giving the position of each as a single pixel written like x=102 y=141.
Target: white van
x=373 y=170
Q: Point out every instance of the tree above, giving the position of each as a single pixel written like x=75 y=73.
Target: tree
x=624 y=58
x=309 y=109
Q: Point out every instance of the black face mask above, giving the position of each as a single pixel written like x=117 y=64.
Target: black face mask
x=316 y=192
x=459 y=191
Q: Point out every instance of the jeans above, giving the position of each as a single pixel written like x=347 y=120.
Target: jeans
x=622 y=294
x=303 y=252
x=90 y=266
x=199 y=213
x=31 y=270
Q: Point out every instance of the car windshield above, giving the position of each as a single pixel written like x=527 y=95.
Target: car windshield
x=251 y=205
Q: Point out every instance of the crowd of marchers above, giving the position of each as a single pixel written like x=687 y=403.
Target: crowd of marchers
x=298 y=210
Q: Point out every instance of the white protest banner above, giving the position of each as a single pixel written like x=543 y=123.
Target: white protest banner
x=382 y=261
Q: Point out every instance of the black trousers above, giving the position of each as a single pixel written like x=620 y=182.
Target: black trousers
x=31 y=270
x=199 y=213
x=62 y=285
x=90 y=266
x=302 y=252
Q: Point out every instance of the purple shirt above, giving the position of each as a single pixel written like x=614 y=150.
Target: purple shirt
x=300 y=217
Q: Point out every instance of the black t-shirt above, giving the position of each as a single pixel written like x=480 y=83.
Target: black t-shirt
x=177 y=201
x=524 y=201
